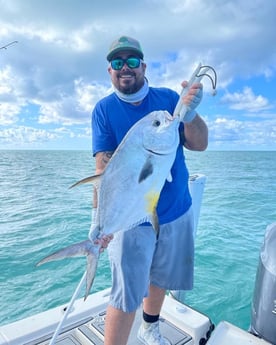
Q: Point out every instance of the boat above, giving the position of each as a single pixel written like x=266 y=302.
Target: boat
x=179 y=323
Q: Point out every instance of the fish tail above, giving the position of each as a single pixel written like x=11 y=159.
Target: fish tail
x=92 y=263
x=84 y=248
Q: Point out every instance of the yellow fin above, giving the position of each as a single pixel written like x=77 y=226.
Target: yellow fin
x=155 y=222
x=152 y=198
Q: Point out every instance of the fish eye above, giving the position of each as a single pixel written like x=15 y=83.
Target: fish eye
x=156 y=123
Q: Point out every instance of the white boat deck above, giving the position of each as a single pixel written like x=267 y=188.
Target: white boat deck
x=85 y=326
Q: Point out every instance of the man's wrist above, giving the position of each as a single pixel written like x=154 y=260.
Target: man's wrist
x=93 y=215
x=189 y=116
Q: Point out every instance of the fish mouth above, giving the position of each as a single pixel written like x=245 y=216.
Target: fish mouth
x=156 y=153
x=163 y=151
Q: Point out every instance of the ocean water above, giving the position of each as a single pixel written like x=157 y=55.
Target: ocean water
x=39 y=214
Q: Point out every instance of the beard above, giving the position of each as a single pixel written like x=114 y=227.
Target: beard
x=128 y=82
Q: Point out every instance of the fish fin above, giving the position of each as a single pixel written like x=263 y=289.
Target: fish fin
x=94 y=179
x=92 y=263
x=152 y=198
x=155 y=222
x=146 y=171
x=87 y=248
x=169 y=178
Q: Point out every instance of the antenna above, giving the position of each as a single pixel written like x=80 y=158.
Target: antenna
x=9 y=44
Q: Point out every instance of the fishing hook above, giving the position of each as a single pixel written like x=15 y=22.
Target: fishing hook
x=199 y=73
x=213 y=81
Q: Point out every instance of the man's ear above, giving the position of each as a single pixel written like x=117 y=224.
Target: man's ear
x=144 y=66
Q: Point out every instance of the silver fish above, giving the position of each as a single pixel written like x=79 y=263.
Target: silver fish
x=130 y=186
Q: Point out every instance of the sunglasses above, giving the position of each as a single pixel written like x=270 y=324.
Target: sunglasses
x=132 y=62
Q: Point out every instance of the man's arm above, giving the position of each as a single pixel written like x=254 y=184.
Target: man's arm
x=102 y=158
x=195 y=130
x=196 y=134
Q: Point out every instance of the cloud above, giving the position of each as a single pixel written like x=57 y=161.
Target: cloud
x=242 y=135
x=246 y=100
x=21 y=134
x=9 y=113
x=11 y=98
x=74 y=108
x=58 y=66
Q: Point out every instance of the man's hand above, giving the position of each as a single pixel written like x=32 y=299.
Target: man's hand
x=104 y=241
x=192 y=99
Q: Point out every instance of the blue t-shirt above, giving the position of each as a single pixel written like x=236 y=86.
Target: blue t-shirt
x=111 y=120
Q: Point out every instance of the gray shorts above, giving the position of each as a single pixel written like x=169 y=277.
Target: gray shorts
x=138 y=259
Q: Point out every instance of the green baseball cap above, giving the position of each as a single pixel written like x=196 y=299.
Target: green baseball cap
x=125 y=43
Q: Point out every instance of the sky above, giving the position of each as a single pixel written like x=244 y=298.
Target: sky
x=56 y=70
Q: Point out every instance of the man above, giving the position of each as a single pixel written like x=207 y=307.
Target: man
x=144 y=267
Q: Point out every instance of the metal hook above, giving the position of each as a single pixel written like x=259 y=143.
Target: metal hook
x=213 y=81
x=196 y=77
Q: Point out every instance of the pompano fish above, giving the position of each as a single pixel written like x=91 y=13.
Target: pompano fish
x=130 y=186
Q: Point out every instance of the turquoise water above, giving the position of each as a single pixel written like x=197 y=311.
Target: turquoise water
x=39 y=214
